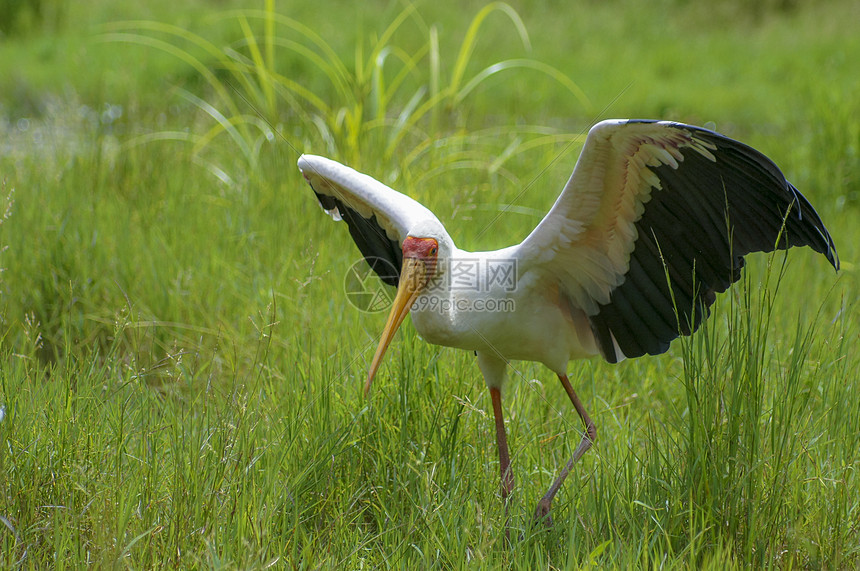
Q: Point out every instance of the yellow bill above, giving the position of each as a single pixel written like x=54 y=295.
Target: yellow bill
x=412 y=281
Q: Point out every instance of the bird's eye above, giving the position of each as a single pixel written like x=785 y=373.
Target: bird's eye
x=433 y=251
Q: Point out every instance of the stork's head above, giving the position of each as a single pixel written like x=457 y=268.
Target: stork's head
x=420 y=256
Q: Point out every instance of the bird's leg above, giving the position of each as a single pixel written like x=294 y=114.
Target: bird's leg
x=542 y=511
x=504 y=457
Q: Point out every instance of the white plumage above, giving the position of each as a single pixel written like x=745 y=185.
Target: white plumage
x=654 y=221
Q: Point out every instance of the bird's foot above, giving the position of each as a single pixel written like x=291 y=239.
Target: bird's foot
x=542 y=515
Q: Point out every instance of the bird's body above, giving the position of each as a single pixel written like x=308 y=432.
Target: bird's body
x=653 y=223
x=516 y=320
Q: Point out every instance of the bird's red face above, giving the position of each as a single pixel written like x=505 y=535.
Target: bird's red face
x=423 y=250
x=419 y=267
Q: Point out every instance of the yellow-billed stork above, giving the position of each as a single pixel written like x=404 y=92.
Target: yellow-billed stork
x=653 y=223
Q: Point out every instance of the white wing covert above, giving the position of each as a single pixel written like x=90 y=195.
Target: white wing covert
x=378 y=217
x=654 y=221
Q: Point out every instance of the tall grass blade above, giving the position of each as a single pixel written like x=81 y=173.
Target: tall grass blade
x=468 y=45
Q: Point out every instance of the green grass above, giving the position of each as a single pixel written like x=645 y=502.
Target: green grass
x=181 y=373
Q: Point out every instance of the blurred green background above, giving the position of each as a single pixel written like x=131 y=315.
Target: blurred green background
x=181 y=369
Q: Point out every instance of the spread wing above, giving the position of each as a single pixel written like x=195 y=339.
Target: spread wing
x=378 y=217
x=654 y=221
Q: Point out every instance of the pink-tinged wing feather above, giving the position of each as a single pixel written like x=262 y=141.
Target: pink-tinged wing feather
x=656 y=219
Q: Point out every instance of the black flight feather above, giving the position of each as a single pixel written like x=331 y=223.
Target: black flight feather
x=692 y=237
